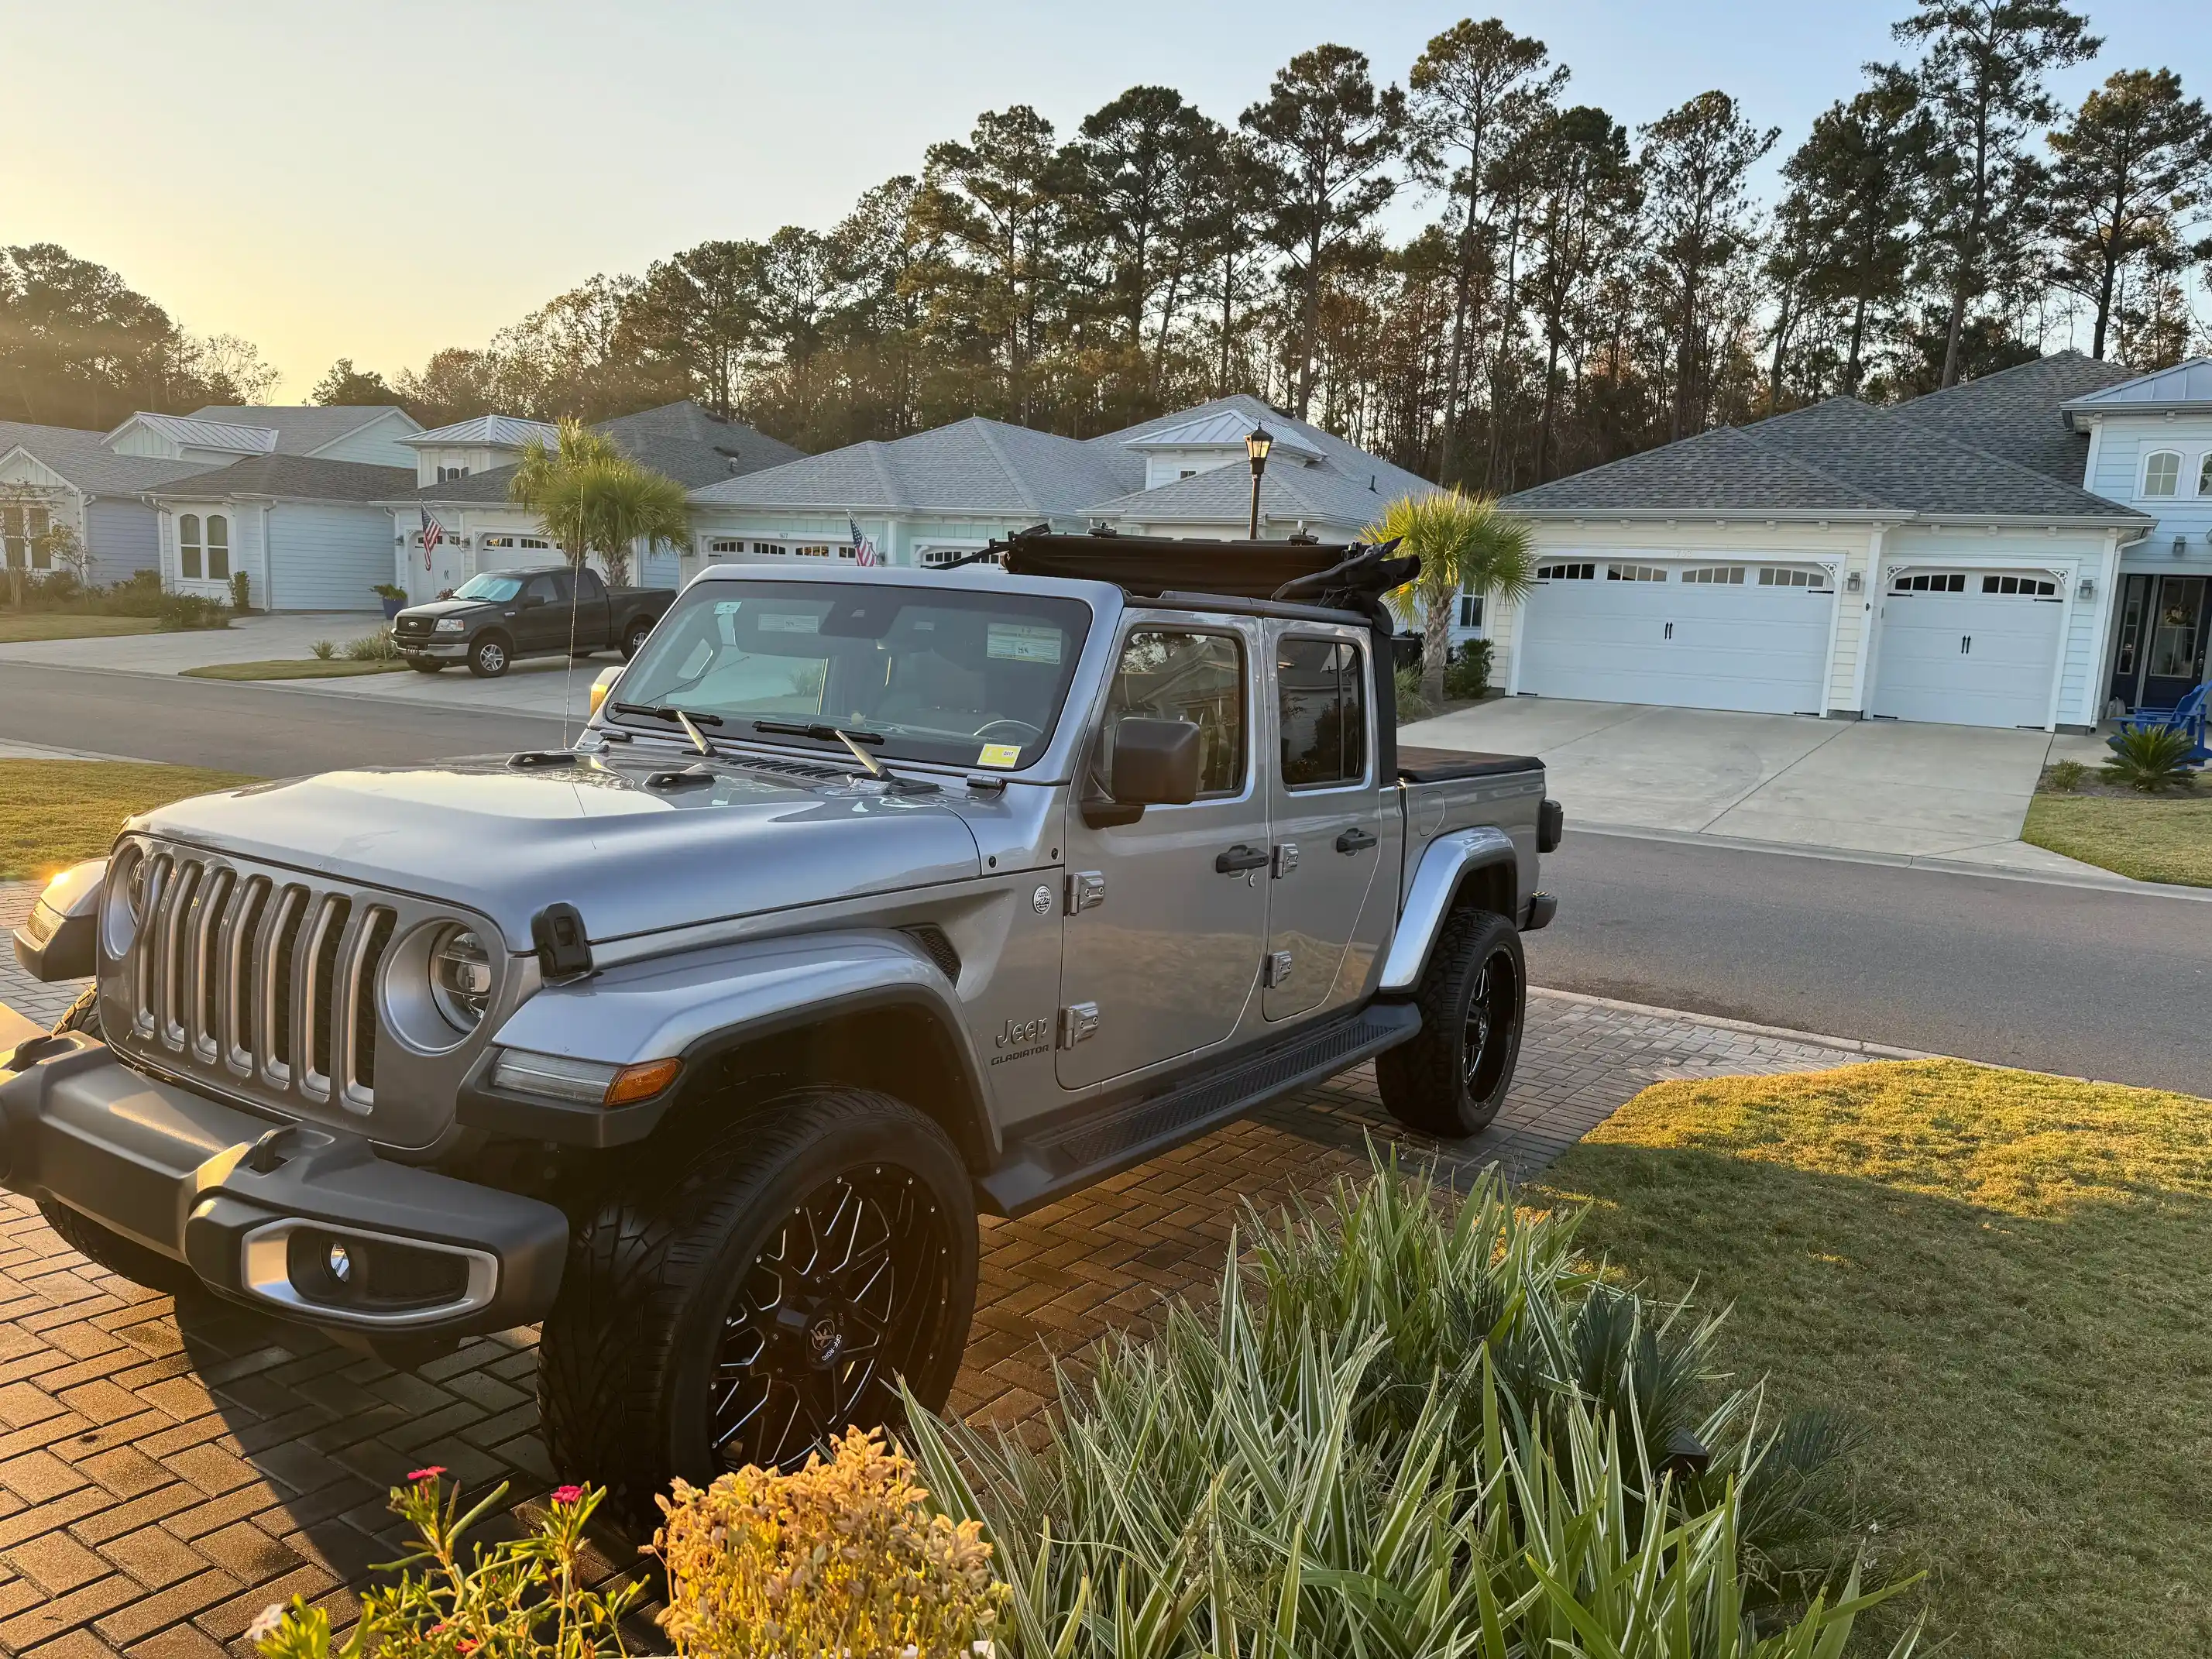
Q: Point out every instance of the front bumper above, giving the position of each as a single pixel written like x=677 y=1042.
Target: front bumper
x=450 y=650
x=300 y=1221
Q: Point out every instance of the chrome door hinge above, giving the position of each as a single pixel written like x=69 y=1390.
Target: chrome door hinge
x=1278 y=969
x=1086 y=890
x=1286 y=857
x=1078 y=1023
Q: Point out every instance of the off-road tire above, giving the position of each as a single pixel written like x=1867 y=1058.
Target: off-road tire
x=627 y=1351
x=1429 y=1084
x=111 y=1250
x=490 y=655
x=633 y=641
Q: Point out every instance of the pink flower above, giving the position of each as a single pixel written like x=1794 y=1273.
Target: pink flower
x=430 y=1473
x=568 y=1494
x=465 y=1645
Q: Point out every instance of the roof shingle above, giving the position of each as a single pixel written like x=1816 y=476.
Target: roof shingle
x=299 y=477
x=2016 y=412
x=84 y=459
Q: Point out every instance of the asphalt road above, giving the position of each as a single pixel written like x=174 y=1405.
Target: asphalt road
x=272 y=731
x=2093 y=983
x=2116 y=986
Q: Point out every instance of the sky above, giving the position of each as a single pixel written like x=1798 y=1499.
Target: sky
x=381 y=179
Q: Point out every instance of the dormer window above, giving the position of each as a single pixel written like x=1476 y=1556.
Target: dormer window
x=447 y=474
x=2161 y=472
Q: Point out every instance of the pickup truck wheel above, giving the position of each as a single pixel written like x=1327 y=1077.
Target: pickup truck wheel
x=1450 y=1080
x=487 y=657
x=743 y=1300
x=120 y=1256
x=633 y=641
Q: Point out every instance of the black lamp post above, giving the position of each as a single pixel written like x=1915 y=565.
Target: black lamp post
x=1257 y=442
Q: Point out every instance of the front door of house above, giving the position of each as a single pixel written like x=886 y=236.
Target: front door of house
x=2164 y=626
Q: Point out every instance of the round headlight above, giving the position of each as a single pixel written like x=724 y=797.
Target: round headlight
x=123 y=902
x=460 y=978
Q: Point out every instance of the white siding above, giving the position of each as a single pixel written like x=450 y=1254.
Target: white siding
x=327 y=558
x=142 y=439
x=122 y=536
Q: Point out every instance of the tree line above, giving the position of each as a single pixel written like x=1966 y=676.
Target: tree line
x=1578 y=292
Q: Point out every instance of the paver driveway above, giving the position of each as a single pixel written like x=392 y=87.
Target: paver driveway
x=166 y=1470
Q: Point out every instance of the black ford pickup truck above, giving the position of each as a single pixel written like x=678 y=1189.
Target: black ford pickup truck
x=499 y=616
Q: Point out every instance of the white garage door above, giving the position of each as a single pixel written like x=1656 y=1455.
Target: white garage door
x=1967 y=648
x=1746 y=636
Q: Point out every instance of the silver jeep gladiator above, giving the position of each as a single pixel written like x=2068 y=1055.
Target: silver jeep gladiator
x=867 y=899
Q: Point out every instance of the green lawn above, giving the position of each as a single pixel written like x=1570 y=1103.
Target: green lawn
x=18 y=627
x=53 y=813
x=291 y=668
x=2004 y=1276
x=2151 y=839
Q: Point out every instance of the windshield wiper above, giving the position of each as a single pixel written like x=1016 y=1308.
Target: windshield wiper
x=852 y=738
x=820 y=730
x=683 y=717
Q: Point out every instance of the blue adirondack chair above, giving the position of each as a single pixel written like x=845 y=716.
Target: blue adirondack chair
x=2188 y=715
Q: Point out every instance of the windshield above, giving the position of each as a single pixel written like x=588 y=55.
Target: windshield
x=489 y=586
x=962 y=678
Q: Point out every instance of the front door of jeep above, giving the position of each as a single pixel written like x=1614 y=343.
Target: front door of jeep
x=1325 y=817
x=1163 y=917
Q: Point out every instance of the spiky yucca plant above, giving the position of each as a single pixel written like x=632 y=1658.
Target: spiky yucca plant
x=2153 y=759
x=1404 y=1431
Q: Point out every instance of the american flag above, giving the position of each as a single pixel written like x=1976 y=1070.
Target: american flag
x=432 y=533
x=863 y=547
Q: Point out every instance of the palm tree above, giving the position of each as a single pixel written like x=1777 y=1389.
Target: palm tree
x=631 y=505
x=1466 y=545
x=588 y=494
x=549 y=481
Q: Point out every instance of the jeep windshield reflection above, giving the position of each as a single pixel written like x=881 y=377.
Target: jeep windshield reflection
x=959 y=678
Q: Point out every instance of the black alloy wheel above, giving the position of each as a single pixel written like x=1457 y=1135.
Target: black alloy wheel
x=1452 y=1077
x=831 y=1314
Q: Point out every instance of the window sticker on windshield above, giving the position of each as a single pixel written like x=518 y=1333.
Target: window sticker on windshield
x=790 y=622
x=1001 y=754
x=1022 y=642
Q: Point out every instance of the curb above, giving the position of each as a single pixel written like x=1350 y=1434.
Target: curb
x=2124 y=886
x=1813 y=1039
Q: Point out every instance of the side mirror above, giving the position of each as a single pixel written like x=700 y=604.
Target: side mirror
x=534 y=601
x=1155 y=763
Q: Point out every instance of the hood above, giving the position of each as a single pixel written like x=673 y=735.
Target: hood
x=437 y=608
x=506 y=843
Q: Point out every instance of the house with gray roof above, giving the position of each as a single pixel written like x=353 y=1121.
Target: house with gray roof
x=61 y=475
x=936 y=496
x=462 y=473
x=307 y=533
x=222 y=433
x=1968 y=558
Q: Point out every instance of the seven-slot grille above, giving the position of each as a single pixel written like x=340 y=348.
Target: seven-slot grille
x=258 y=975
x=411 y=627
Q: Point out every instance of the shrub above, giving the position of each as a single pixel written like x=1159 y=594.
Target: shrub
x=372 y=647
x=1404 y=1431
x=178 y=613
x=1412 y=706
x=2152 y=759
x=325 y=649
x=2065 y=775
x=523 y=1595
x=841 y=1558
x=241 y=592
x=1469 y=676
x=388 y=591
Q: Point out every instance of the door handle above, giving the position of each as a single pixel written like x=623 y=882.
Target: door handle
x=1354 y=840
x=1239 y=859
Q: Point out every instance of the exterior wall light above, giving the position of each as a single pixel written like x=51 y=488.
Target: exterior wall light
x=1854 y=582
x=2181 y=547
x=2087 y=590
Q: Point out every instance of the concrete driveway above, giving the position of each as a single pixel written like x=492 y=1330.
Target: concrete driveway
x=1883 y=786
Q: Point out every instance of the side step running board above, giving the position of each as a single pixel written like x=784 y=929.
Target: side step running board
x=1041 y=1168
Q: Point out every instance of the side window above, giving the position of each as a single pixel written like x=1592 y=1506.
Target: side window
x=1173 y=675
x=1321 y=705
x=540 y=588
x=588 y=585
